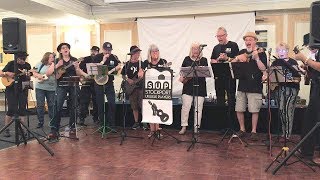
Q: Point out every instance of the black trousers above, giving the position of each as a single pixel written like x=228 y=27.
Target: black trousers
x=228 y=86
x=17 y=102
x=311 y=118
x=87 y=93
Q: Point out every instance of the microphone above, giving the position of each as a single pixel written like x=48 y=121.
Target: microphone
x=202 y=45
x=270 y=50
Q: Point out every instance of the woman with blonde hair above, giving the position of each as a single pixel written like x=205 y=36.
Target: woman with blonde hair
x=194 y=59
x=44 y=87
x=154 y=61
x=287 y=92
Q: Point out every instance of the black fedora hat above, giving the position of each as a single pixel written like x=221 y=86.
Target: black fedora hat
x=62 y=44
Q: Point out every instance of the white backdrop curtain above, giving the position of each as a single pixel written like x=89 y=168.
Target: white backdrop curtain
x=174 y=37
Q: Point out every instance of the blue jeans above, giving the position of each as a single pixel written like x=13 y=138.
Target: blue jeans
x=61 y=97
x=41 y=95
x=101 y=91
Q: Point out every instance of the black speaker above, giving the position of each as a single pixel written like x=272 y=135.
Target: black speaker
x=315 y=25
x=14 y=35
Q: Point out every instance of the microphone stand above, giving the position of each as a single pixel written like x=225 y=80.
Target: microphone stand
x=195 y=85
x=285 y=149
x=123 y=134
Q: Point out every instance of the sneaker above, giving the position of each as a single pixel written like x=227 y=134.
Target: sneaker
x=7 y=133
x=52 y=138
x=82 y=124
x=196 y=130
x=159 y=136
x=254 y=136
x=241 y=133
x=145 y=126
x=72 y=131
x=135 y=126
x=150 y=134
x=183 y=130
x=40 y=125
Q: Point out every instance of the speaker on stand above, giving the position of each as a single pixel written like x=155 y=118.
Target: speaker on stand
x=14 y=35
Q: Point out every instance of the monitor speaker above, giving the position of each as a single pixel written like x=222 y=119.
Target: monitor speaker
x=14 y=35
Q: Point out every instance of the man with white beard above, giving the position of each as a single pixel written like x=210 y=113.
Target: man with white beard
x=250 y=88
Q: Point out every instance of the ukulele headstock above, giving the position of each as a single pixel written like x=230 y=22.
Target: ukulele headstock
x=296 y=49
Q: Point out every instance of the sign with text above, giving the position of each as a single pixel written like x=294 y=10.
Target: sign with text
x=157 y=97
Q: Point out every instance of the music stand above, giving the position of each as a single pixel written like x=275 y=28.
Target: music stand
x=225 y=71
x=102 y=70
x=279 y=75
x=74 y=82
x=195 y=72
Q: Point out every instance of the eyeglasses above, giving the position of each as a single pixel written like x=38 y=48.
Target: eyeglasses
x=219 y=36
x=282 y=50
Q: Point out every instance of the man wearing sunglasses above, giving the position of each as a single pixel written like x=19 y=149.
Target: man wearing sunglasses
x=17 y=101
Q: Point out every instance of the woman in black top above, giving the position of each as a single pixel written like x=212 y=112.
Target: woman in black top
x=64 y=59
x=194 y=59
x=154 y=61
x=287 y=92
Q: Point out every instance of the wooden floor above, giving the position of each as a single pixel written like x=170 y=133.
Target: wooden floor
x=94 y=158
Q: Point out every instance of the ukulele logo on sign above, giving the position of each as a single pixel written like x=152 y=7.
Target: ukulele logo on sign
x=157 y=97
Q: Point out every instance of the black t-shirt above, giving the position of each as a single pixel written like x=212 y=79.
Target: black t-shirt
x=111 y=62
x=83 y=64
x=252 y=81
x=22 y=77
x=160 y=64
x=314 y=73
x=131 y=69
x=71 y=71
x=188 y=86
x=231 y=49
x=289 y=71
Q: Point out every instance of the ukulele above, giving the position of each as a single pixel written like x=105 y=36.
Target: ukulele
x=307 y=76
x=62 y=69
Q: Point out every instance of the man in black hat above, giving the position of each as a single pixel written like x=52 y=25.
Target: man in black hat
x=65 y=60
x=17 y=101
x=132 y=72
x=108 y=59
x=312 y=113
x=87 y=91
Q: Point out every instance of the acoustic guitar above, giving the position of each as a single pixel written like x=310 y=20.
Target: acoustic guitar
x=62 y=69
x=8 y=81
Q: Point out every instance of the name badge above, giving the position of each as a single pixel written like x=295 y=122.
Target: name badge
x=228 y=50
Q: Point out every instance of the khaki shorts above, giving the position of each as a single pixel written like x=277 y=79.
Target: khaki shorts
x=136 y=99
x=252 y=100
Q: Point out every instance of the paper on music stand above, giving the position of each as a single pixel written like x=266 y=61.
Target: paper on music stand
x=102 y=70
x=223 y=70
x=276 y=74
x=202 y=71
x=92 y=68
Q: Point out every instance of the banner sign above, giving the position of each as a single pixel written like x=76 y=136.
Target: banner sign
x=157 y=96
